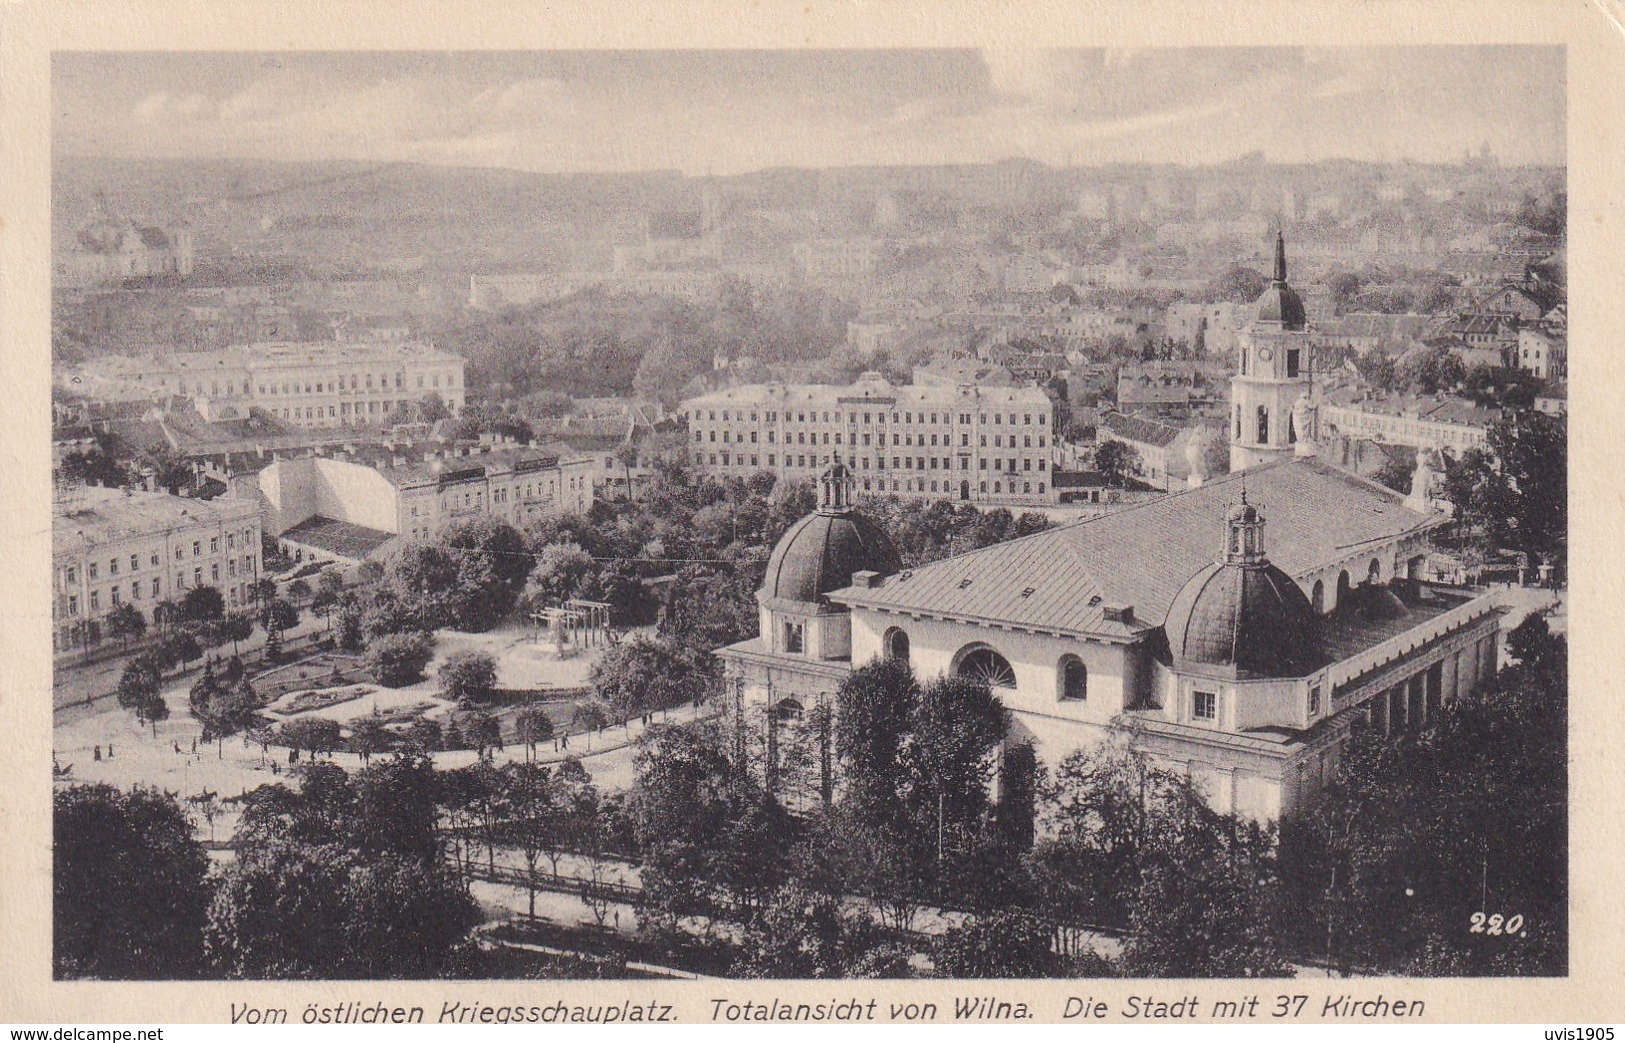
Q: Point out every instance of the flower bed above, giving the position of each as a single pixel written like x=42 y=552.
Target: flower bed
x=318 y=699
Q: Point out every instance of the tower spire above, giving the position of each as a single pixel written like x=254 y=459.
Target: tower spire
x=1280 y=256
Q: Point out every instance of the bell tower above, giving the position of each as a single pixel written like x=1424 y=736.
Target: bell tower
x=1272 y=374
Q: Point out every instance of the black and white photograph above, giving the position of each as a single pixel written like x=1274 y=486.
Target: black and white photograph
x=919 y=513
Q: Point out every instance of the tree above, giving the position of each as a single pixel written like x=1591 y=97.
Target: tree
x=492 y=565
x=125 y=622
x=280 y=615
x=432 y=408
x=626 y=454
x=340 y=880
x=562 y=570
x=1435 y=370
x=1344 y=287
x=468 y=677
x=1237 y=284
x=129 y=886
x=180 y=648
x=316 y=735
x=1395 y=473
x=202 y=604
x=531 y=816
x=368 y=736
x=480 y=731
x=947 y=764
x=331 y=581
x=138 y=691
x=1116 y=461
x=223 y=708
x=324 y=603
x=399 y=659
x=1515 y=494
x=593 y=716
x=352 y=632
x=298 y=591
x=238 y=626
x=1005 y=944
x=534 y=726
x=874 y=706
x=1418 y=831
x=643 y=674
x=1206 y=898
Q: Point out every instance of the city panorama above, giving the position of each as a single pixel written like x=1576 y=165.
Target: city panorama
x=828 y=514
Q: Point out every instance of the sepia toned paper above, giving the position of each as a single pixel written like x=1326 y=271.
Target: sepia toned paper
x=1593 y=44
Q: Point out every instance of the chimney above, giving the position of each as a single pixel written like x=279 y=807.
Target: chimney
x=866 y=578
x=1117 y=613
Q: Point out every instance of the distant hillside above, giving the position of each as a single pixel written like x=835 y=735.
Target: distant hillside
x=353 y=216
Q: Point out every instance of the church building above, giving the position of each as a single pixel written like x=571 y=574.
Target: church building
x=1238 y=630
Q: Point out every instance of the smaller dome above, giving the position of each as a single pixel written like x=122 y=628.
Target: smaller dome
x=1246 y=621
x=820 y=552
x=1244 y=513
x=1243 y=621
x=1281 y=305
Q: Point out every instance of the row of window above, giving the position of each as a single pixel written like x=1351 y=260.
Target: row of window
x=342 y=410
x=898 y=463
x=93 y=568
x=984 y=663
x=322 y=387
x=1027 y=419
x=154 y=586
x=741 y=437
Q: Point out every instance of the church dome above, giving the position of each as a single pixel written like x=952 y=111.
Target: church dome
x=821 y=551
x=1280 y=304
x=1242 y=616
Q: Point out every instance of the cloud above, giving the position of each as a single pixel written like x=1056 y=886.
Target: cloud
x=736 y=111
x=162 y=108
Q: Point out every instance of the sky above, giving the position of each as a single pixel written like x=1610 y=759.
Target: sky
x=729 y=112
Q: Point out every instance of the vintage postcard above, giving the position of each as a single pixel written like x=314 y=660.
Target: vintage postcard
x=811 y=514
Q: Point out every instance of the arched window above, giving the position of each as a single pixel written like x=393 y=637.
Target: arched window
x=1074 y=679
x=1263 y=424
x=1373 y=575
x=1238 y=421
x=981 y=663
x=1342 y=585
x=895 y=644
x=1318 y=597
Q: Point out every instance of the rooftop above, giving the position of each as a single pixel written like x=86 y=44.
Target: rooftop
x=1062 y=580
x=1139 y=429
x=340 y=539
x=279 y=354
x=1372 y=615
x=101 y=516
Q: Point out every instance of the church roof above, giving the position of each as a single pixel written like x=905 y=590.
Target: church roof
x=821 y=552
x=1063 y=580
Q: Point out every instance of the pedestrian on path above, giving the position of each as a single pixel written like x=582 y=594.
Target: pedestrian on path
x=98 y=751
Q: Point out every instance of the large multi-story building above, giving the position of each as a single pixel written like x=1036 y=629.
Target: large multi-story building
x=1424 y=421
x=114 y=547
x=348 y=511
x=317 y=384
x=980 y=444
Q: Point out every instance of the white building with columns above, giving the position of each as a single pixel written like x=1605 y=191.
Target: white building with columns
x=1238 y=631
